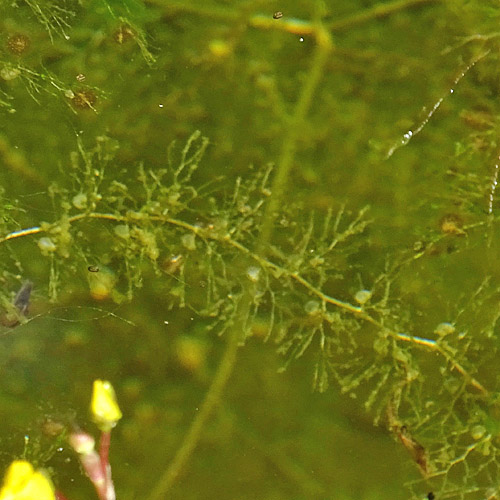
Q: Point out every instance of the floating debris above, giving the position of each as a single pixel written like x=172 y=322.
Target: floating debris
x=173 y=264
x=452 y=224
x=93 y=269
x=278 y=15
x=123 y=34
x=84 y=99
x=16 y=312
x=22 y=300
x=18 y=44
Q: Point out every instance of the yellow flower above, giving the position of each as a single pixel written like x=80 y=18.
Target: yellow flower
x=104 y=408
x=22 y=482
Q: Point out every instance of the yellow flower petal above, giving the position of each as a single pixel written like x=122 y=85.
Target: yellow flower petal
x=21 y=482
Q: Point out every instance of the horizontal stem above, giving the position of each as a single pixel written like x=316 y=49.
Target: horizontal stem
x=281 y=271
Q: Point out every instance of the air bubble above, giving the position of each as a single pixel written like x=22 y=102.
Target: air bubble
x=8 y=73
x=253 y=273
x=406 y=137
x=312 y=307
x=80 y=201
x=189 y=242
x=46 y=245
x=363 y=296
x=122 y=231
x=444 y=329
x=477 y=432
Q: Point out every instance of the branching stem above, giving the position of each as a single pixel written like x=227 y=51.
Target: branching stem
x=294 y=127
x=276 y=269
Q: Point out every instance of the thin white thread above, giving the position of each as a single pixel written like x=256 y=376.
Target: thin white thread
x=493 y=187
x=413 y=132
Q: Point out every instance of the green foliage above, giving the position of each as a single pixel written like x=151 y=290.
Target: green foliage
x=55 y=16
x=203 y=248
x=393 y=306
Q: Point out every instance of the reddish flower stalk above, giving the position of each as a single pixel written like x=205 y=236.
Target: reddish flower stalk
x=104 y=444
x=96 y=465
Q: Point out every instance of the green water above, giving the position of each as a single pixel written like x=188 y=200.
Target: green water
x=216 y=268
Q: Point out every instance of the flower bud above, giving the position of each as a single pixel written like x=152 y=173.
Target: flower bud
x=104 y=407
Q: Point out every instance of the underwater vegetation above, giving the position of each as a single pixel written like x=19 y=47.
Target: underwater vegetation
x=272 y=227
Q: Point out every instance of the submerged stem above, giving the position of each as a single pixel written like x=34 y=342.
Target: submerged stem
x=357 y=311
x=294 y=128
x=212 y=398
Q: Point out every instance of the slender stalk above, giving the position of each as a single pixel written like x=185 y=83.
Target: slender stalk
x=376 y=12
x=294 y=128
x=291 y=25
x=104 y=444
x=212 y=398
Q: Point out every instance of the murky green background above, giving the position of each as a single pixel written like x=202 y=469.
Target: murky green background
x=271 y=437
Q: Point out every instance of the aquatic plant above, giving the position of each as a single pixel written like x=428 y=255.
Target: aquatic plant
x=379 y=304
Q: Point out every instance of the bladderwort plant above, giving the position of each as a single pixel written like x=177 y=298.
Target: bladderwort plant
x=162 y=222
x=279 y=272
x=184 y=235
